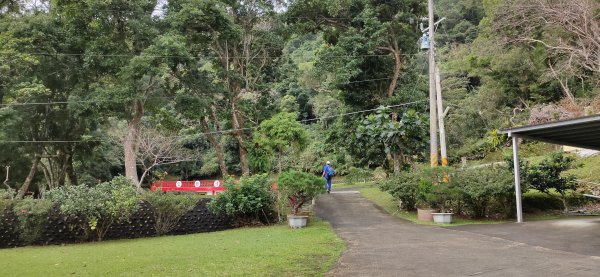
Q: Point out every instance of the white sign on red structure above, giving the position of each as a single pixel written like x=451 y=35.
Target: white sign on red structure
x=210 y=187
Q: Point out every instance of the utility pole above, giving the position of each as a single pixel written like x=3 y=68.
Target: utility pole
x=433 y=143
x=441 y=114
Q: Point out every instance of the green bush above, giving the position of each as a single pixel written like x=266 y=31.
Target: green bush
x=443 y=196
x=299 y=187
x=99 y=206
x=535 y=201
x=6 y=199
x=169 y=208
x=356 y=175
x=479 y=187
x=476 y=192
x=547 y=176
x=248 y=201
x=33 y=217
x=404 y=187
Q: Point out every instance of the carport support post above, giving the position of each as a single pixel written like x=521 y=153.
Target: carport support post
x=517 y=169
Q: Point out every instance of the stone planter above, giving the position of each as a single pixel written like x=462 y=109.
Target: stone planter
x=425 y=214
x=442 y=218
x=297 y=221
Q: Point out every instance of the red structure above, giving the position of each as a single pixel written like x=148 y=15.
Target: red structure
x=209 y=187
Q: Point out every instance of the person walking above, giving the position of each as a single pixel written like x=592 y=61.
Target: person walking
x=328 y=174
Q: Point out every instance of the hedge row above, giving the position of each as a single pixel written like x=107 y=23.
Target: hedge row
x=60 y=228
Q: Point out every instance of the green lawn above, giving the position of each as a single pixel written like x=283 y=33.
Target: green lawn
x=268 y=251
x=589 y=170
x=343 y=185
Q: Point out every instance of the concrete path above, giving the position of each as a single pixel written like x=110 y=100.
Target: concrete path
x=579 y=235
x=382 y=245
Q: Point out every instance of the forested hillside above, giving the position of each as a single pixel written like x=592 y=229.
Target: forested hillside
x=190 y=89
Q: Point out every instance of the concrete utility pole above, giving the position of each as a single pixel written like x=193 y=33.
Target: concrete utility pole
x=433 y=143
x=441 y=114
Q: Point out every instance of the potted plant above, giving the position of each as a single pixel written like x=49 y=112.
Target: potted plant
x=432 y=193
x=425 y=209
x=299 y=188
x=441 y=196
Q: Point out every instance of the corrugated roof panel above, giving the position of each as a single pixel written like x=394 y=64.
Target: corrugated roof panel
x=583 y=132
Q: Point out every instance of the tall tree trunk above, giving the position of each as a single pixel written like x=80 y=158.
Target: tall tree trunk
x=563 y=84
x=238 y=134
x=388 y=155
x=397 y=67
x=71 y=171
x=396 y=163
x=395 y=50
x=62 y=174
x=29 y=179
x=216 y=145
x=130 y=144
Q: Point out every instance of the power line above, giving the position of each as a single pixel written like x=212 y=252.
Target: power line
x=363 y=111
x=180 y=56
x=222 y=132
x=151 y=97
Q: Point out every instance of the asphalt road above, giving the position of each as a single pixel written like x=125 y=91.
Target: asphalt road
x=382 y=245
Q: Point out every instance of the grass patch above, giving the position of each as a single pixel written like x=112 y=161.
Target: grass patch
x=353 y=185
x=268 y=251
x=589 y=170
x=389 y=204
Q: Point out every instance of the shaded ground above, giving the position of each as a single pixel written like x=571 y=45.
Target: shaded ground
x=580 y=235
x=382 y=245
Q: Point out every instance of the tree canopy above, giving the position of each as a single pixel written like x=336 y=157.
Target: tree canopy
x=257 y=86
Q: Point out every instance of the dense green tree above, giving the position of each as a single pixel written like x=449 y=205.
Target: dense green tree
x=402 y=137
x=365 y=40
x=281 y=133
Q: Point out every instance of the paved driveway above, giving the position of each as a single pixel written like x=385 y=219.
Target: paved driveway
x=382 y=245
x=578 y=235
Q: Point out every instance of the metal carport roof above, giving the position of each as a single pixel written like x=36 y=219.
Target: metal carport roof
x=583 y=132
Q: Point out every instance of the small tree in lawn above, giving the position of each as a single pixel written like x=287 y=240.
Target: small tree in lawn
x=547 y=175
x=282 y=133
x=299 y=187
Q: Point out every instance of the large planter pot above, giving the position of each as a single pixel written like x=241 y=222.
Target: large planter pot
x=425 y=214
x=305 y=213
x=297 y=221
x=442 y=218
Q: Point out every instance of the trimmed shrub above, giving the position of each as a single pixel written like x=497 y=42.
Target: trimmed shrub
x=169 y=208
x=479 y=187
x=99 y=206
x=444 y=197
x=299 y=187
x=404 y=187
x=476 y=192
x=250 y=201
x=33 y=217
